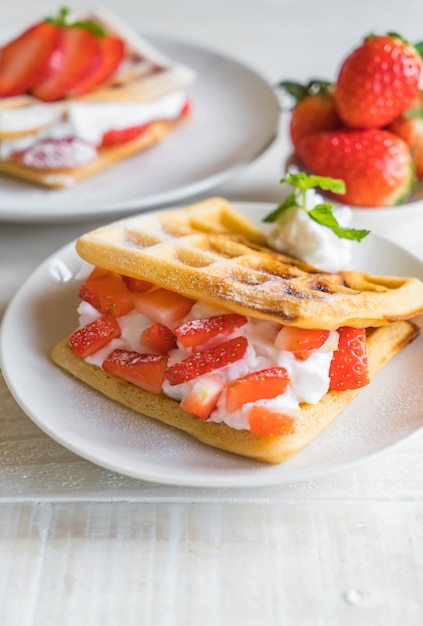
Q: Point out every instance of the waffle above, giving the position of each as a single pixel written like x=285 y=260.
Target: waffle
x=208 y=251
x=145 y=77
x=382 y=344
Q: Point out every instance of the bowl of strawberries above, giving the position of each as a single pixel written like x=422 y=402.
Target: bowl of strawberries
x=366 y=127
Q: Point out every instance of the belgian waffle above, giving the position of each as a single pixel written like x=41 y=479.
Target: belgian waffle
x=208 y=251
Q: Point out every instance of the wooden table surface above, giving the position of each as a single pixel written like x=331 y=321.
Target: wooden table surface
x=81 y=545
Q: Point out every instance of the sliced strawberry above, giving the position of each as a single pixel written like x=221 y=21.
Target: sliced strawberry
x=203 y=332
x=265 y=384
x=301 y=341
x=136 y=284
x=98 y=272
x=159 y=338
x=186 y=109
x=164 y=306
x=207 y=361
x=349 y=368
x=202 y=399
x=24 y=61
x=90 y=338
x=78 y=56
x=269 y=422
x=116 y=137
x=108 y=295
x=144 y=370
x=56 y=154
x=112 y=50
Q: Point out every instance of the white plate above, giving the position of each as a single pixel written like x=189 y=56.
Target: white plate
x=44 y=311
x=235 y=118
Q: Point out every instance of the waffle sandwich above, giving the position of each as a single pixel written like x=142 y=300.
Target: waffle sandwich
x=245 y=349
x=57 y=131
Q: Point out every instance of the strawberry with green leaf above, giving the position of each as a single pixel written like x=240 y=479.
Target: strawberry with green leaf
x=85 y=58
x=321 y=213
x=377 y=81
x=314 y=109
x=376 y=165
x=59 y=58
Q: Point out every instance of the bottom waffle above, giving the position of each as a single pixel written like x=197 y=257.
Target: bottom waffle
x=382 y=344
x=63 y=178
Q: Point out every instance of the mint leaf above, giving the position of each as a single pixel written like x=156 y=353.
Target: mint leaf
x=323 y=214
x=289 y=202
x=303 y=181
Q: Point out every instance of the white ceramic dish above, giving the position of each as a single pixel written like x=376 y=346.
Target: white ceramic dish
x=235 y=118
x=44 y=311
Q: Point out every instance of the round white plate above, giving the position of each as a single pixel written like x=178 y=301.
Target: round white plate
x=235 y=118
x=44 y=311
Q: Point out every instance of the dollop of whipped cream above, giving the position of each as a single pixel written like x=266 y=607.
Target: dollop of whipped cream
x=295 y=233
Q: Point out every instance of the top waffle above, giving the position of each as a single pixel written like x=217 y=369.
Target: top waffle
x=209 y=252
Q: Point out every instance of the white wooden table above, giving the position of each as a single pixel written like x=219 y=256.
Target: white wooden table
x=80 y=545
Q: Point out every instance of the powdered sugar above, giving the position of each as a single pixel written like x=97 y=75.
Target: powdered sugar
x=54 y=154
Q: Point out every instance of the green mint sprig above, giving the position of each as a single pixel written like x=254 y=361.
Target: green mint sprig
x=63 y=18
x=321 y=213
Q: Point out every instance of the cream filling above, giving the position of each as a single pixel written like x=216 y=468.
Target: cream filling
x=309 y=379
x=89 y=121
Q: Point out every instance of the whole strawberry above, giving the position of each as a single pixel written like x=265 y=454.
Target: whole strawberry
x=314 y=110
x=377 y=81
x=375 y=165
x=409 y=126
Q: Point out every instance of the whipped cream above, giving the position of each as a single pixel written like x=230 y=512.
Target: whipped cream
x=89 y=121
x=309 y=379
x=298 y=235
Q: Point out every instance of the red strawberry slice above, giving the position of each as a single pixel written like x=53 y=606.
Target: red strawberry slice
x=207 y=361
x=202 y=332
x=116 y=137
x=202 y=399
x=349 y=368
x=301 y=341
x=268 y=422
x=24 y=61
x=159 y=338
x=56 y=154
x=90 y=338
x=77 y=56
x=144 y=370
x=108 y=295
x=112 y=50
x=99 y=272
x=267 y=383
x=136 y=284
